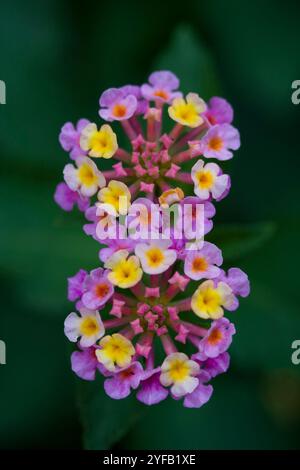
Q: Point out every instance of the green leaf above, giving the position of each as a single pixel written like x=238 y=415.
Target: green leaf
x=267 y=322
x=251 y=57
x=37 y=385
x=105 y=421
x=36 y=82
x=42 y=246
x=237 y=240
x=191 y=61
x=234 y=418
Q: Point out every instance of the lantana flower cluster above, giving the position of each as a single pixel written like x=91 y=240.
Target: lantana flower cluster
x=150 y=317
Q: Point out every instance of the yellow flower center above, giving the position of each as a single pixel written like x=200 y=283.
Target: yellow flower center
x=179 y=371
x=125 y=273
x=89 y=326
x=116 y=194
x=199 y=264
x=216 y=143
x=155 y=257
x=205 y=179
x=99 y=143
x=86 y=175
x=187 y=112
x=209 y=300
x=117 y=349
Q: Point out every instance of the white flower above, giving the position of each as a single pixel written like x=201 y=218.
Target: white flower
x=208 y=179
x=155 y=256
x=88 y=326
x=179 y=371
x=86 y=178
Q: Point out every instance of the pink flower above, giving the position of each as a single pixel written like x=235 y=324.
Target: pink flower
x=76 y=285
x=151 y=391
x=209 y=180
x=69 y=138
x=135 y=90
x=67 y=199
x=120 y=242
x=84 y=363
x=219 y=111
x=237 y=280
x=161 y=88
x=217 y=339
x=117 y=105
x=219 y=140
x=217 y=365
x=96 y=216
x=178 y=244
x=201 y=394
x=98 y=289
x=207 y=211
x=203 y=264
x=121 y=383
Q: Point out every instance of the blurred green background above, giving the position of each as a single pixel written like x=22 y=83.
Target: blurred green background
x=56 y=57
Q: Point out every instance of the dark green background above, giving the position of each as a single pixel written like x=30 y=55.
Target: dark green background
x=56 y=57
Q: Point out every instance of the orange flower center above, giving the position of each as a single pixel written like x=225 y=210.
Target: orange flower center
x=119 y=110
x=126 y=374
x=199 y=264
x=101 y=290
x=161 y=94
x=215 y=143
x=215 y=336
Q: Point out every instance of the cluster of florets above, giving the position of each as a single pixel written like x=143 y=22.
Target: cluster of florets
x=156 y=281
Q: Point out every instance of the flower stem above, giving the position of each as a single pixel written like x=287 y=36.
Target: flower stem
x=168 y=345
x=176 y=131
x=182 y=305
x=191 y=135
x=183 y=177
x=121 y=154
x=182 y=156
x=195 y=329
x=128 y=129
x=116 y=322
